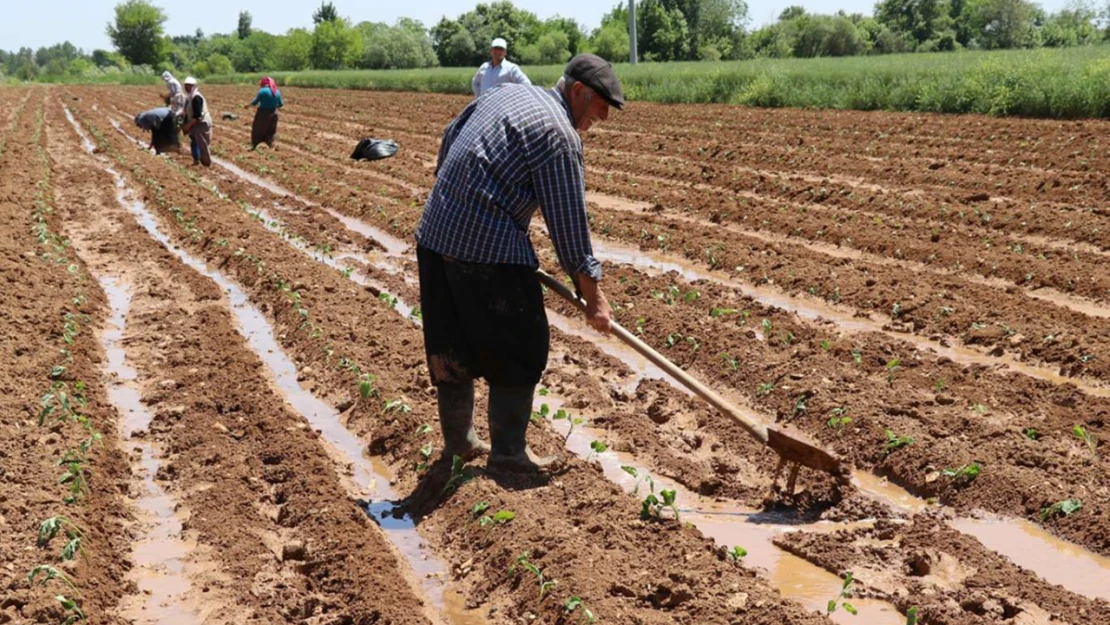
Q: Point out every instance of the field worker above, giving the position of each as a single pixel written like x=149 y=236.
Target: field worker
x=268 y=100
x=497 y=71
x=198 y=123
x=162 y=125
x=175 y=97
x=503 y=157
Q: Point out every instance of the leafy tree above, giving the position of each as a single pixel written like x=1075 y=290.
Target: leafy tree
x=1000 y=24
x=661 y=33
x=137 y=32
x=326 y=13
x=219 y=64
x=335 y=45
x=576 y=39
x=402 y=46
x=922 y=20
x=1074 y=25
x=292 y=51
x=244 y=29
x=611 y=42
x=255 y=53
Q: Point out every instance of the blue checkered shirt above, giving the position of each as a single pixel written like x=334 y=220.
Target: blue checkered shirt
x=508 y=153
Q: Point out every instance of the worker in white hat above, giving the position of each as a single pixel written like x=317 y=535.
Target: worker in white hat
x=497 y=71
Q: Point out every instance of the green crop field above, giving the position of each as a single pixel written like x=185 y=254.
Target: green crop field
x=1057 y=83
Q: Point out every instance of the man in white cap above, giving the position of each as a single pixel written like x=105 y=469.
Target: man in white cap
x=497 y=71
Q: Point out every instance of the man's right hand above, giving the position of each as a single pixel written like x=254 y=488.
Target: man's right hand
x=598 y=313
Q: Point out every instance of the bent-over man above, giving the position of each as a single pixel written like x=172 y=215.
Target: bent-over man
x=507 y=154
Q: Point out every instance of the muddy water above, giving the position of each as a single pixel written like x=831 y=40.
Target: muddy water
x=159 y=555
x=1054 y=560
x=366 y=480
x=731 y=525
x=1032 y=547
x=813 y=309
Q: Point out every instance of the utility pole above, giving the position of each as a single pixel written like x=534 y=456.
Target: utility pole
x=632 y=31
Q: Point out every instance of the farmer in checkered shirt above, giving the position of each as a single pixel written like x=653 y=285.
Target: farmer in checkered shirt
x=503 y=157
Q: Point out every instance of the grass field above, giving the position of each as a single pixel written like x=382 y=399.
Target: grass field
x=1057 y=83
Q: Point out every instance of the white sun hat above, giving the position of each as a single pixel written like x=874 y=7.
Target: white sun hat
x=499 y=43
x=190 y=81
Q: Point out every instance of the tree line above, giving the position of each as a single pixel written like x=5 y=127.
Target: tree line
x=667 y=30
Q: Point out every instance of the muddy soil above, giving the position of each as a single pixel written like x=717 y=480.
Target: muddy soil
x=787 y=258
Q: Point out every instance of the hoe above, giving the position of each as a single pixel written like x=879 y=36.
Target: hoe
x=792 y=448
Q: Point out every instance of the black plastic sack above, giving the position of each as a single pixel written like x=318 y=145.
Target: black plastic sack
x=374 y=149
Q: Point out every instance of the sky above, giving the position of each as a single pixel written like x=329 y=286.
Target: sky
x=45 y=22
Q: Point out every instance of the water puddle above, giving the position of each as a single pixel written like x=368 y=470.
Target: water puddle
x=814 y=310
x=731 y=525
x=159 y=555
x=1032 y=547
x=366 y=480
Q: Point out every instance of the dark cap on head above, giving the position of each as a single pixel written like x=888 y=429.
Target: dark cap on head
x=597 y=74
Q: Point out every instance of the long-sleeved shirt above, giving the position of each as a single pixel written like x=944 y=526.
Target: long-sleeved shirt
x=503 y=157
x=489 y=76
x=152 y=119
x=267 y=100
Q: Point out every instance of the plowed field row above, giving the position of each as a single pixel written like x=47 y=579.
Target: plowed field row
x=273 y=338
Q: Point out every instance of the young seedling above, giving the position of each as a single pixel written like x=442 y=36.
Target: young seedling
x=737 y=553
x=838 y=420
x=1031 y=433
x=940 y=385
x=459 y=475
x=653 y=507
x=826 y=345
x=479 y=509
x=800 y=404
x=764 y=388
x=397 y=405
x=911 y=616
x=523 y=562
x=417 y=314
x=366 y=385
x=891 y=366
x=845 y=593
x=965 y=474
x=732 y=362
x=857 y=356
x=1082 y=434
x=541 y=414
x=1067 y=507
x=673 y=339
x=721 y=312
x=49 y=573
x=576 y=603
x=596 y=447
x=425 y=457
x=636 y=474
x=894 y=442
x=69 y=605
x=74 y=476
x=561 y=414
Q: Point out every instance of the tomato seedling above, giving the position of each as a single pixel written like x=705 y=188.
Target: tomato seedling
x=1066 y=507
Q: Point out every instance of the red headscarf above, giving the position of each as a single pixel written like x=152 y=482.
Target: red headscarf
x=269 y=82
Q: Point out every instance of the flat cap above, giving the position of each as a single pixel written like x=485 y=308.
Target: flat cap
x=597 y=74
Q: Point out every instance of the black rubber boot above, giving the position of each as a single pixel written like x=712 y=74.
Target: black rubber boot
x=456 y=420
x=510 y=411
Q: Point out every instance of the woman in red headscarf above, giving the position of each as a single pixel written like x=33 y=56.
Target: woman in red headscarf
x=268 y=100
